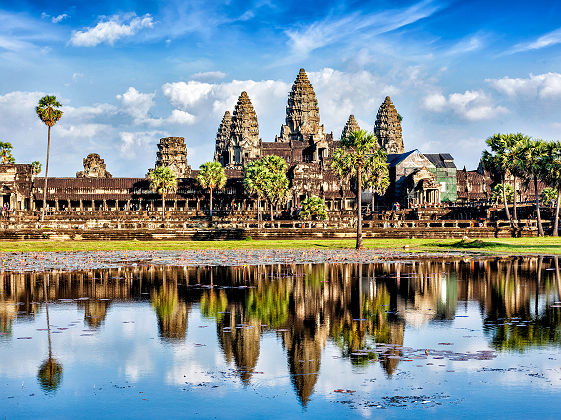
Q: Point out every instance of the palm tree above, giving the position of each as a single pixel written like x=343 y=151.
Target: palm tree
x=532 y=159
x=356 y=153
x=277 y=184
x=552 y=175
x=377 y=175
x=163 y=180
x=6 y=152
x=48 y=112
x=505 y=149
x=211 y=175
x=255 y=181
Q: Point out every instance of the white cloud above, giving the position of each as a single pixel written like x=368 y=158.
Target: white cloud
x=209 y=75
x=547 y=85
x=134 y=142
x=472 y=105
x=547 y=40
x=136 y=104
x=110 y=30
x=186 y=94
x=59 y=18
x=330 y=30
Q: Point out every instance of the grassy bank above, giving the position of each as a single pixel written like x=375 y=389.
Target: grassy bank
x=503 y=246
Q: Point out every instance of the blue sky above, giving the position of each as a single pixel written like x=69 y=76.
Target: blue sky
x=131 y=72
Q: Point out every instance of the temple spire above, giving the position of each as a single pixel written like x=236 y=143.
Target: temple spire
x=351 y=126
x=302 y=113
x=388 y=128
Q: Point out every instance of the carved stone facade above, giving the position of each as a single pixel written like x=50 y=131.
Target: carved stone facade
x=172 y=153
x=302 y=113
x=388 y=128
x=94 y=167
x=350 y=126
x=237 y=140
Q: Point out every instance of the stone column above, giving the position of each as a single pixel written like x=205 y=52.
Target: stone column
x=56 y=204
x=175 y=205
x=104 y=205
x=128 y=208
x=93 y=205
x=81 y=205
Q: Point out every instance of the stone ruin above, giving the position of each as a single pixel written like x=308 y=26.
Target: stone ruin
x=350 y=126
x=388 y=128
x=172 y=153
x=237 y=140
x=94 y=167
x=302 y=113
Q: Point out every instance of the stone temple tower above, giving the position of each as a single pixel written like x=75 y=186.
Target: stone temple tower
x=221 y=153
x=237 y=140
x=388 y=128
x=302 y=113
x=172 y=152
x=351 y=126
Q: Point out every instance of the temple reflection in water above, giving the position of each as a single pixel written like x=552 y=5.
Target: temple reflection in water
x=358 y=307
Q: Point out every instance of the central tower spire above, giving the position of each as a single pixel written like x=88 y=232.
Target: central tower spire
x=302 y=113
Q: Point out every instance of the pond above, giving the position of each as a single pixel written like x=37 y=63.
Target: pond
x=448 y=337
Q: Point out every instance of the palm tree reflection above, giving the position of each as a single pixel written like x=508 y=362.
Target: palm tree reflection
x=50 y=371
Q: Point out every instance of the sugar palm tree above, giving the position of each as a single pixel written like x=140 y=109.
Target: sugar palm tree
x=532 y=159
x=163 y=181
x=552 y=175
x=277 y=184
x=48 y=111
x=255 y=182
x=377 y=175
x=211 y=176
x=6 y=152
x=356 y=153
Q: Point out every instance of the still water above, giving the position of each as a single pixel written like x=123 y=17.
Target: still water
x=448 y=338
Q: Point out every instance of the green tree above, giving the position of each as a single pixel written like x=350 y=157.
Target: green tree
x=504 y=159
x=163 y=181
x=552 y=175
x=6 y=152
x=255 y=180
x=36 y=167
x=48 y=111
x=548 y=196
x=313 y=208
x=377 y=176
x=277 y=184
x=211 y=176
x=266 y=178
x=499 y=193
x=532 y=160
x=357 y=152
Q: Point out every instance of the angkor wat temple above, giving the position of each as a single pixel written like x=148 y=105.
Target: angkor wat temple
x=417 y=179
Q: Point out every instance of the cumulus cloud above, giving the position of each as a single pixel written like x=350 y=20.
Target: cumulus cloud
x=111 y=29
x=136 y=104
x=472 y=105
x=547 y=85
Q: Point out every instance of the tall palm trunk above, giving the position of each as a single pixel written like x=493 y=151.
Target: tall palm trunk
x=540 y=227
x=372 y=203
x=271 y=210
x=514 y=211
x=504 y=199
x=358 y=210
x=211 y=203
x=163 y=206
x=556 y=223
x=258 y=212
x=46 y=176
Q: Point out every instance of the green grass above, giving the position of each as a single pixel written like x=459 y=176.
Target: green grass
x=495 y=246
